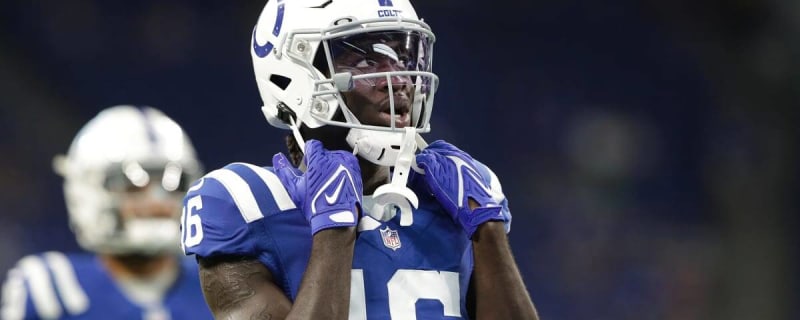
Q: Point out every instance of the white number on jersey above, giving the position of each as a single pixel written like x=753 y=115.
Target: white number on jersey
x=191 y=224
x=406 y=287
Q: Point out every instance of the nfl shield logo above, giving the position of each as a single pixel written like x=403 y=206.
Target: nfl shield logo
x=391 y=239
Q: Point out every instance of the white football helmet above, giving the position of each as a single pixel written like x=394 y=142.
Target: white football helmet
x=125 y=147
x=294 y=48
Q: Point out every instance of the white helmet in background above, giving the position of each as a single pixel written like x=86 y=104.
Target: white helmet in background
x=122 y=147
x=293 y=48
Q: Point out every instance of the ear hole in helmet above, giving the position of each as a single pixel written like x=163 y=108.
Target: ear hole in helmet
x=280 y=81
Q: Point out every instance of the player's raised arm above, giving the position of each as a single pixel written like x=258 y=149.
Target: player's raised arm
x=497 y=285
x=466 y=190
x=325 y=290
x=330 y=194
x=222 y=225
x=231 y=222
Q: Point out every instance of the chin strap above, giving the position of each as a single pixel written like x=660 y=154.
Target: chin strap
x=396 y=194
x=296 y=133
x=422 y=144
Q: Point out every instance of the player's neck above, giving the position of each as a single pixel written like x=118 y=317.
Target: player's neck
x=372 y=175
x=138 y=266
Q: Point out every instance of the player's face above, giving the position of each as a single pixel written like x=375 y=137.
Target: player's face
x=370 y=99
x=150 y=201
x=148 y=198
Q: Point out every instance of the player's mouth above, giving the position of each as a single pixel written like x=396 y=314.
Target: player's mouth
x=401 y=117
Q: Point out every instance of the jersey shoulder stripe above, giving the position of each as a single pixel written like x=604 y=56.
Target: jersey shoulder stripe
x=262 y=180
x=14 y=295
x=254 y=191
x=52 y=286
x=224 y=212
x=72 y=295
x=40 y=287
x=239 y=192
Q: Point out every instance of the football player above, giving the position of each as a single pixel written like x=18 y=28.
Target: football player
x=363 y=219
x=124 y=176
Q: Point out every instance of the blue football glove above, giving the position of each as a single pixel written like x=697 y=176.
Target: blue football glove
x=329 y=192
x=453 y=179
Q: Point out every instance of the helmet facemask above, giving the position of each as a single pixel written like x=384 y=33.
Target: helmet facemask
x=385 y=68
x=366 y=61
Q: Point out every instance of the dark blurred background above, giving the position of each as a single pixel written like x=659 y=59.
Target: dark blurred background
x=648 y=148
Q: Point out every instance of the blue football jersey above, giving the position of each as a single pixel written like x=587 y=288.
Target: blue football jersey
x=54 y=285
x=421 y=271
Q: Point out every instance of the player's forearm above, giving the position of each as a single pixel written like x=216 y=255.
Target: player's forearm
x=500 y=291
x=325 y=290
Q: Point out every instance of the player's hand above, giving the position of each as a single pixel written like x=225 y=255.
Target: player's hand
x=330 y=190
x=453 y=179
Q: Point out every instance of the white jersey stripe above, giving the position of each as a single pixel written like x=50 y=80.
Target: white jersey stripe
x=13 y=303
x=275 y=186
x=42 y=292
x=240 y=192
x=73 y=296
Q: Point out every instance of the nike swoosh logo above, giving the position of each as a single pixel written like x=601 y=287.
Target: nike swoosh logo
x=332 y=198
x=340 y=172
x=462 y=166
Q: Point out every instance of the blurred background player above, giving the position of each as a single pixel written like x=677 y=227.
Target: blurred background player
x=347 y=237
x=124 y=176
